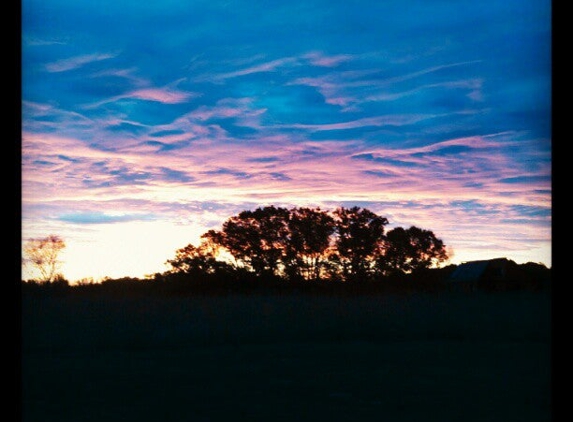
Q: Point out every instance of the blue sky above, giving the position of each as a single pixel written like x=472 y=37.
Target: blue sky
x=144 y=125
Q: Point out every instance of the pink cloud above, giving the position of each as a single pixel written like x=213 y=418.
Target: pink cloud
x=122 y=73
x=475 y=142
x=208 y=113
x=165 y=96
x=78 y=61
x=471 y=85
x=389 y=120
x=229 y=108
x=41 y=144
x=329 y=87
x=264 y=161
x=290 y=169
x=348 y=88
x=320 y=59
x=31 y=109
x=259 y=68
x=160 y=95
x=345 y=88
x=426 y=71
x=264 y=167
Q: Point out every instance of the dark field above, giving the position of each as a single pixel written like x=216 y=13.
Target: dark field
x=424 y=357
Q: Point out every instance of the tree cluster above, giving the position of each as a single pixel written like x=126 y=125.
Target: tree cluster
x=310 y=244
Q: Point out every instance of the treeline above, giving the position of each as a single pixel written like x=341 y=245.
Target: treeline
x=529 y=276
x=309 y=244
x=274 y=249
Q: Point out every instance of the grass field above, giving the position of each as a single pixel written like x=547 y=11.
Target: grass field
x=419 y=357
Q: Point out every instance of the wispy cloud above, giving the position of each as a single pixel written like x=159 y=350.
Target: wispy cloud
x=103 y=218
x=227 y=108
x=317 y=58
x=389 y=120
x=432 y=69
x=31 y=110
x=38 y=42
x=239 y=174
x=163 y=95
x=314 y=58
x=269 y=66
x=473 y=86
x=349 y=89
x=78 y=61
x=331 y=87
x=128 y=74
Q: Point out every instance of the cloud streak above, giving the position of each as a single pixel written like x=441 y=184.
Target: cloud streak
x=102 y=218
x=76 y=62
x=159 y=95
x=264 y=67
x=318 y=58
x=165 y=96
x=377 y=121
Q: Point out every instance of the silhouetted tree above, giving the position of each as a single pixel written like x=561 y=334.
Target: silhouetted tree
x=407 y=250
x=359 y=232
x=196 y=261
x=307 y=244
x=257 y=239
x=42 y=254
x=309 y=237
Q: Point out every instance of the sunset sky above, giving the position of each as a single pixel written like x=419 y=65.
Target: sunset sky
x=144 y=124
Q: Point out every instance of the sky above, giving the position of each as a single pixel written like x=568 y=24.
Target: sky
x=145 y=124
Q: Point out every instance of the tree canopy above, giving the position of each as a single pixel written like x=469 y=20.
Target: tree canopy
x=346 y=244
x=412 y=249
x=42 y=254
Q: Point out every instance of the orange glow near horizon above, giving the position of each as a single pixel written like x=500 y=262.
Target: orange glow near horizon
x=140 y=249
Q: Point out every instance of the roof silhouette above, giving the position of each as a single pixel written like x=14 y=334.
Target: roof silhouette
x=472 y=271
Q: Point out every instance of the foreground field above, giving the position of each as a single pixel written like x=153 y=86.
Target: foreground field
x=426 y=357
